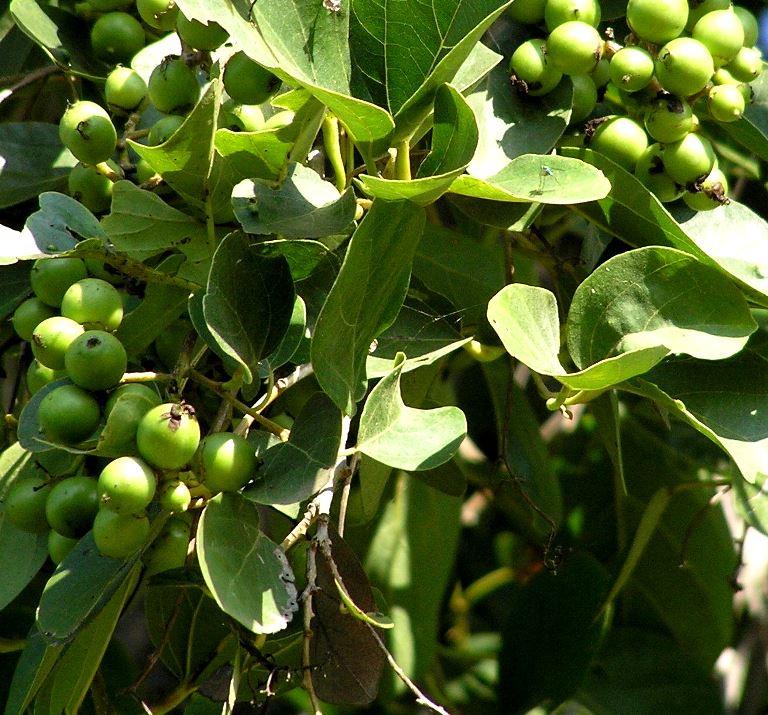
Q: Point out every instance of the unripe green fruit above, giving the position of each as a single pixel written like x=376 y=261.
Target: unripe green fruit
x=163 y=129
x=117 y=37
x=699 y=8
x=96 y=360
x=72 y=506
x=160 y=14
x=725 y=102
x=574 y=47
x=174 y=496
x=51 y=277
x=711 y=193
x=125 y=90
x=749 y=24
x=124 y=409
x=621 y=139
x=657 y=21
x=173 y=87
x=241 y=117
x=59 y=546
x=25 y=504
x=721 y=32
x=200 y=36
x=747 y=66
x=94 y=303
x=631 y=68
x=225 y=462
x=584 y=97
x=601 y=75
x=38 y=376
x=650 y=170
x=528 y=11
x=87 y=131
x=126 y=485
x=669 y=119
x=109 y=5
x=29 y=315
x=557 y=12
x=68 y=415
x=280 y=120
x=52 y=337
x=247 y=82
x=119 y=535
x=684 y=66
x=169 y=549
x=529 y=64
x=90 y=187
x=168 y=436
x=689 y=159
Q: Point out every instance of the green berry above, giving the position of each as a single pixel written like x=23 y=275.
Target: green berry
x=29 y=315
x=247 y=82
x=684 y=66
x=93 y=303
x=725 y=102
x=669 y=119
x=689 y=159
x=722 y=33
x=631 y=68
x=531 y=67
x=621 y=139
x=125 y=90
x=574 y=47
x=52 y=337
x=657 y=21
x=51 y=277
x=557 y=12
x=87 y=131
x=650 y=170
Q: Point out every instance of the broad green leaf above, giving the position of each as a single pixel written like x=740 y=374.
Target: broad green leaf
x=454 y=134
x=365 y=299
x=75 y=670
x=60 y=34
x=189 y=164
x=258 y=155
x=14 y=288
x=403 y=75
x=302 y=206
x=367 y=490
x=142 y=225
x=421 y=192
x=248 y=302
x=511 y=125
x=32 y=669
x=118 y=437
x=546 y=179
x=34 y=161
x=79 y=588
x=307 y=45
x=405 y=437
x=295 y=470
x=294 y=336
x=248 y=574
x=21 y=553
x=657 y=296
x=404 y=563
x=526 y=319
x=446 y=478
x=551 y=613
x=647 y=673
x=303 y=256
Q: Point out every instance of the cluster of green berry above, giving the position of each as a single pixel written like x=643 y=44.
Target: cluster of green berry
x=152 y=107
x=680 y=64
x=162 y=464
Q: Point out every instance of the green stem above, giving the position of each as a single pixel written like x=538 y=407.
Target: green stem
x=177 y=696
x=487 y=584
x=403 y=161
x=332 y=146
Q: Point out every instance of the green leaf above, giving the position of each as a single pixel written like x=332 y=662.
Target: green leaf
x=752 y=129
x=14 y=288
x=294 y=336
x=248 y=302
x=551 y=613
x=248 y=574
x=303 y=256
x=32 y=669
x=546 y=179
x=402 y=75
x=259 y=155
x=21 y=553
x=365 y=299
x=657 y=296
x=79 y=589
x=454 y=134
x=388 y=428
x=142 y=225
x=302 y=206
x=189 y=164
x=526 y=319
x=295 y=470
x=34 y=161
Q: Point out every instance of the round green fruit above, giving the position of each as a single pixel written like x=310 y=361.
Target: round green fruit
x=29 y=315
x=482 y=352
x=247 y=82
x=558 y=12
x=722 y=33
x=631 y=68
x=51 y=277
x=650 y=170
x=163 y=129
x=52 y=337
x=240 y=117
x=93 y=303
x=726 y=102
x=689 y=159
x=90 y=187
x=72 y=505
x=530 y=66
x=87 y=131
x=749 y=25
x=225 y=462
x=96 y=360
x=173 y=86
x=684 y=66
x=574 y=47
x=584 y=97
x=59 y=546
x=38 y=376
x=747 y=66
x=117 y=37
x=699 y=8
x=200 y=36
x=657 y=21
x=527 y=11
x=68 y=414
x=125 y=90
x=169 y=549
x=158 y=14
x=621 y=139
x=174 y=496
x=668 y=119
x=168 y=435
x=126 y=485
x=119 y=535
x=708 y=194
x=25 y=504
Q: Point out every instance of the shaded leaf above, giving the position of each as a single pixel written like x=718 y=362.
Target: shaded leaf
x=365 y=299
x=303 y=256
x=405 y=437
x=294 y=336
x=258 y=155
x=32 y=669
x=421 y=192
x=14 y=288
x=247 y=573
